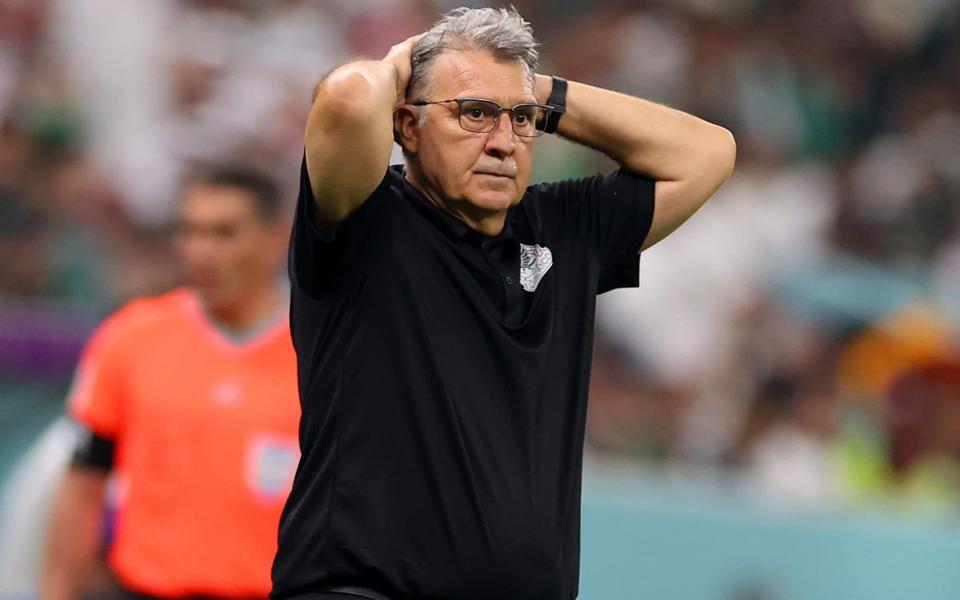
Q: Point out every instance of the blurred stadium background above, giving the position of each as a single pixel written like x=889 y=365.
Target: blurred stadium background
x=774 y=415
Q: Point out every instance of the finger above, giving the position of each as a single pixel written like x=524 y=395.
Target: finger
x=404 y=46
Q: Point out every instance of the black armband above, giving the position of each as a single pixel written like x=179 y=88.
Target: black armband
x=93 y=451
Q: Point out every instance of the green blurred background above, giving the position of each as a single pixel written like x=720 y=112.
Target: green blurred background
x=775 y=414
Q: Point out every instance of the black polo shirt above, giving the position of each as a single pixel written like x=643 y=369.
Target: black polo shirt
x=443 y=385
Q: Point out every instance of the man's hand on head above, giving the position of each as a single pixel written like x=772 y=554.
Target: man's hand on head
x=399 y=57
x=542 y=86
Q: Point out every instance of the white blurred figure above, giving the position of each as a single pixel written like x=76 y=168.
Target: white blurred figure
x=25 y=508
x=764 y=222
x=788 y=459
x=166 y=85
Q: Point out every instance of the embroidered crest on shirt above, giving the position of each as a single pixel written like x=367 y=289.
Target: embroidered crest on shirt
x=271 y=463
x=535 y=261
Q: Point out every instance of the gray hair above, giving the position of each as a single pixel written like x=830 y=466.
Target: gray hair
x=500 y=31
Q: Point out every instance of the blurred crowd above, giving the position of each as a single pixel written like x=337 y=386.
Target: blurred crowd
x=798 y=336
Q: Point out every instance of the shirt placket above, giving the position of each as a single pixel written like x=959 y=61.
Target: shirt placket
x=503 y=257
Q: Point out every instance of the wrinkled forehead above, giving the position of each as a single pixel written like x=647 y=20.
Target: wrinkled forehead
x=479 y=74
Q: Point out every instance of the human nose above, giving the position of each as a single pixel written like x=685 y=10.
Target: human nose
x=197 y=247
x=501 y=141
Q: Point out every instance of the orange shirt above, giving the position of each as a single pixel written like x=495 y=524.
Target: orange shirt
x=206 y=445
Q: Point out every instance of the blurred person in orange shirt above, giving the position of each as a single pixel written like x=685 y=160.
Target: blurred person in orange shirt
x=189 y=399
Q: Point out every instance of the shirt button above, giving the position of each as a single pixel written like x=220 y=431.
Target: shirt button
x=509 y=280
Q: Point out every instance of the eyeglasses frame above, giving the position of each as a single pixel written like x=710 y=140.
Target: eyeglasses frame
x=547 y=108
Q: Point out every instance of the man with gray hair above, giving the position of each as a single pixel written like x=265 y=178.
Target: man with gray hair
x=442 y=312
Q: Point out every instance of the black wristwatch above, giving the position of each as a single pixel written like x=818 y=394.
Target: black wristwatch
x=558 y=102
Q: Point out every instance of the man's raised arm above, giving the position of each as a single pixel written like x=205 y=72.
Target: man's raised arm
x=688 y=157
x=349 y=134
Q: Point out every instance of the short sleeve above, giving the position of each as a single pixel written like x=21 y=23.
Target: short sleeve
x=96 y=398
x=320 y=262
x=611 y=213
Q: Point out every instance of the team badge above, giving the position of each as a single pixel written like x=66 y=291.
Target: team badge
x=271 y=464
x=535 y=261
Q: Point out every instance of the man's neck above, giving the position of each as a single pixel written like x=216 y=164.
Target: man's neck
x=247 y=315
x=487 y=224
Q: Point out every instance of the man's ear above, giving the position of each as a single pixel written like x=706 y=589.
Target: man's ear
x=406 y=128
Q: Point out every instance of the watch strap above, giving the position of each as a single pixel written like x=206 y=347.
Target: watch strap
x=558 y=102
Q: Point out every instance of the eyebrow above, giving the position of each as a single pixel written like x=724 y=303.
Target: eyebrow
x=508 y=104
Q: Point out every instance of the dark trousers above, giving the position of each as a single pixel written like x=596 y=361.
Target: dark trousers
x=128 y=594
x=346 y=594
x=342 y=593
x=351 y=595
x=330 y=596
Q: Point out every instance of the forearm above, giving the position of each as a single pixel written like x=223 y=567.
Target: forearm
x=658 y=141
x=688 y=157
x=73 y=539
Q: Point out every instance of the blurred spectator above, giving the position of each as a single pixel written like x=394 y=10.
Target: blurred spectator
x=788 y=455
x=153 y=380
x=923 y=424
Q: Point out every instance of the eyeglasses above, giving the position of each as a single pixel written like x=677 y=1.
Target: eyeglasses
x=482 y=116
